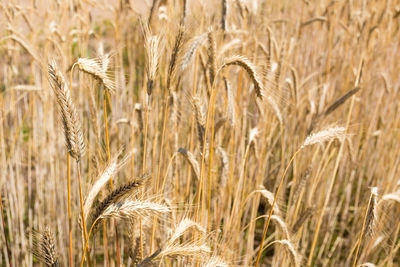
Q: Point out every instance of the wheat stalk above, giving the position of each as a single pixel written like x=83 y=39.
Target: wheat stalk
x=369 y=220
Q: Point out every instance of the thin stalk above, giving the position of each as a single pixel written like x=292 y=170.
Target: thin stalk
x=319 y=222
x=146 y=122
x=105 y=241
x=69 y=187
x=362 y=231
x=141 y=239
x=272 y=208
x=111 y=183
x=393 y=250
x=166 y=111
x=237 y=196
x=4 y=230
x=133 y=148
x=210 y=160
x=166 y=171
x=107 y=258
x=192 y=128
x=200 y=195
x=106 y=129
x=117 y=245
x=254 y=208
x=82 y=211
x=87 y=243
x=69 y=209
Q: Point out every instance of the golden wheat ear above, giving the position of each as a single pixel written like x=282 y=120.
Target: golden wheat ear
x=291 y=250
x=44 y=248
x=200 y=116
x=130 y=209
x=192 y=161
x=325 y=135
x=179 y=41
x=152 y=46
x=72 y=126
x=110 y=171
x=97 y=68
x=115 y=196
x=251 y=70
x=190 y=50
x=211 y=55
x=372 y=214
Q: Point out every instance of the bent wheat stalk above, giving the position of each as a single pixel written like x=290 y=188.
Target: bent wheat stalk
x=4 y=230
x=73 y=134
x=320 y=137
x=369 y=220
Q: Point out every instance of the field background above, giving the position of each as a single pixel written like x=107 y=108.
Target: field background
x=215 y=150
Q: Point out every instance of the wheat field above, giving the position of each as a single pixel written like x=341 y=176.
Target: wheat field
x=199 y=133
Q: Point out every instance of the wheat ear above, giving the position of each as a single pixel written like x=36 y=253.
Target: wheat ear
x=44 y=248
x=192 y=160
x=114 y=197
x=251 y=70
x=152 y=45
x=72 y=127
x=97 y=68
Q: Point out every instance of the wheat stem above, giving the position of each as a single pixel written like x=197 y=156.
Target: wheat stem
x=272 y=208
x=69 y=210
x=319 y=222
x=82 y=210
x=87 y=243
x=4 y=230
x=111 y=186
x=210 y=157
x=146 y=122
x=166 y=112
x=367 y=213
